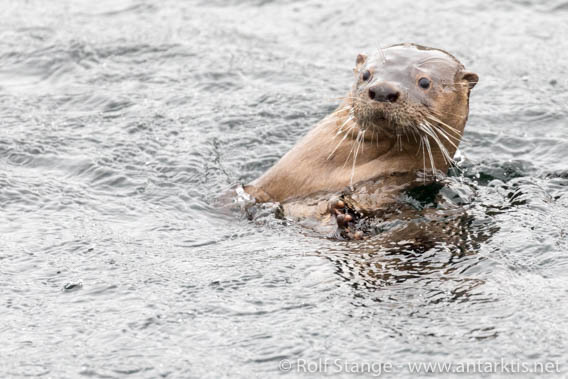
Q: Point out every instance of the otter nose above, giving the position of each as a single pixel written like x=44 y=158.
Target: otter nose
x=384 y=92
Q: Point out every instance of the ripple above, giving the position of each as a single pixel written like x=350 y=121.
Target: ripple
x=125 y=125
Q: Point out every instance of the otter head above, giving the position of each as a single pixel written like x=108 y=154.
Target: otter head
x=415 y=95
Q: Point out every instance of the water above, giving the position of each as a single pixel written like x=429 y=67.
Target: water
x=123 y=121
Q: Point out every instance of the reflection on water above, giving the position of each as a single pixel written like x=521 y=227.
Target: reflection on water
x=123 y=121
x=437 y=238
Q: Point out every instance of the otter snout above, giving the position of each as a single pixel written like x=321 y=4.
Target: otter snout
x=384 y=92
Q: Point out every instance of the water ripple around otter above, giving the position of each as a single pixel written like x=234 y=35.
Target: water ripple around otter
x=123 y=121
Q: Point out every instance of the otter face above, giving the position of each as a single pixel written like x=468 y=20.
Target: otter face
x=412 y=90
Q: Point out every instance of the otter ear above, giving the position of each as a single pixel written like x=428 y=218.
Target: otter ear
x=471 y=78
x=360 y=61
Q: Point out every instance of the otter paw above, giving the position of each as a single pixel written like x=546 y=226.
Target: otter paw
x=345 y=220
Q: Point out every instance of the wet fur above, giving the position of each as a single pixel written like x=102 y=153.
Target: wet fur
x=363 y=141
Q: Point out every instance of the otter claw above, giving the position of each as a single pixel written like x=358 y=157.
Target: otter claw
x=335 y=205
x=337 y=208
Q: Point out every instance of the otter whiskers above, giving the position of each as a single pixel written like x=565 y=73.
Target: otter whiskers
x=358 y=144
x=346 y=134
x=431 y=128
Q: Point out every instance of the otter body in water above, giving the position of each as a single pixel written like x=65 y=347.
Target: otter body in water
x=404 y=116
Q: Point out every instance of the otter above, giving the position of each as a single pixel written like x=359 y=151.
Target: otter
x=400 y=124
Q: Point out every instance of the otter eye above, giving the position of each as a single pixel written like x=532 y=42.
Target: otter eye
x=366 y=75
x=424 y=83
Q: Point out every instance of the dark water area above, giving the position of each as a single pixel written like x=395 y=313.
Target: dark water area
x=121 y=122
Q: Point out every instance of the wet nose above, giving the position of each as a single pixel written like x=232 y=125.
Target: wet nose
x=384 y=92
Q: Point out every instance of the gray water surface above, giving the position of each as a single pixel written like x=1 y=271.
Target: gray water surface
x=122 y=122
